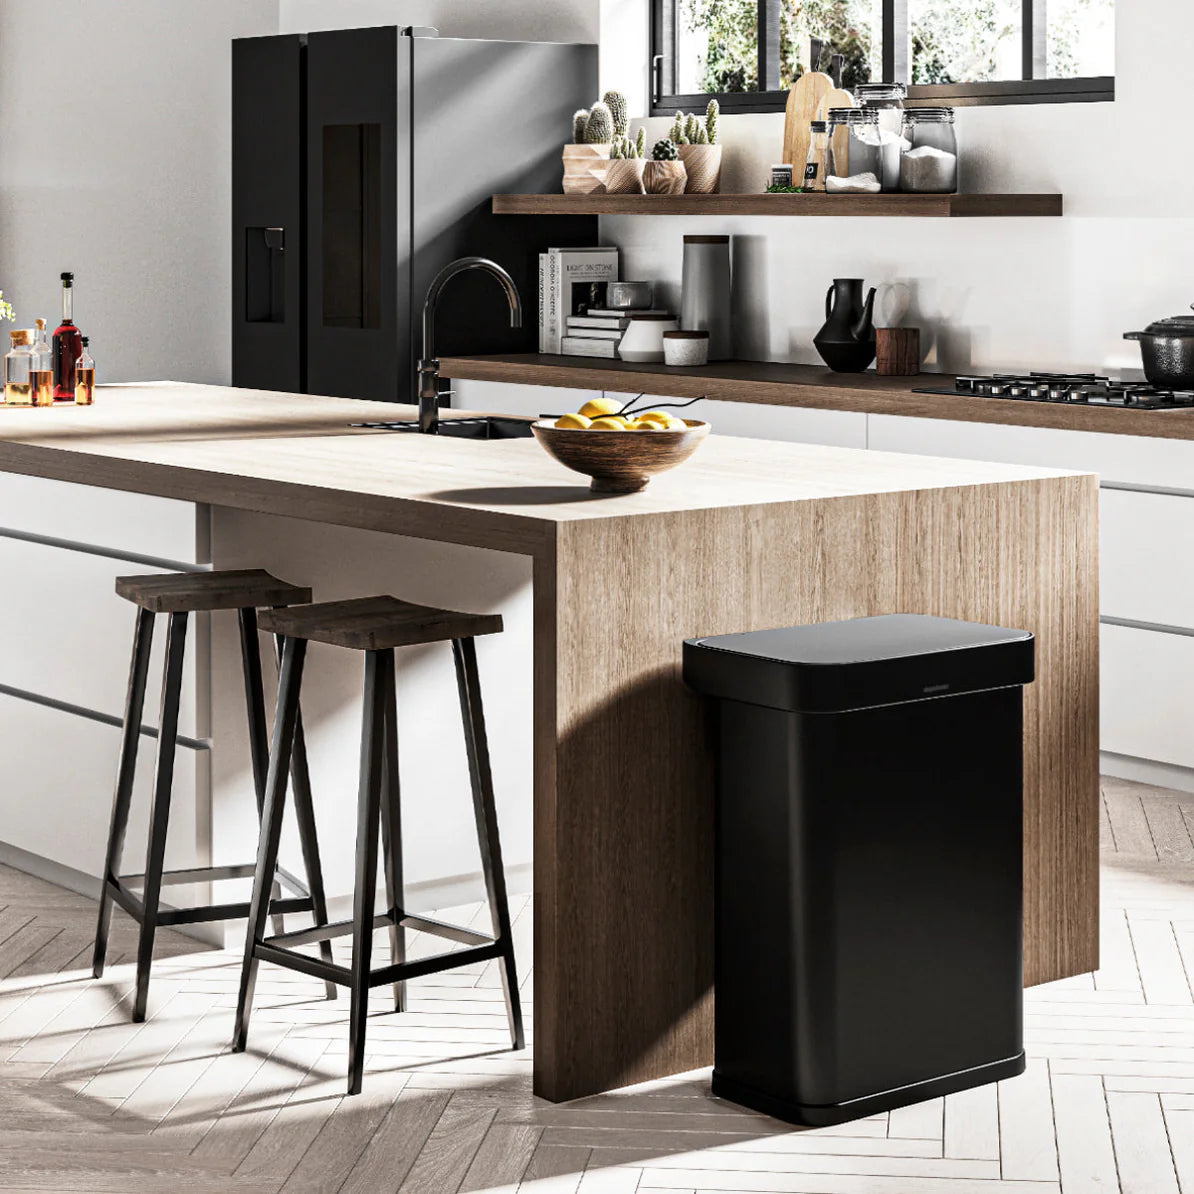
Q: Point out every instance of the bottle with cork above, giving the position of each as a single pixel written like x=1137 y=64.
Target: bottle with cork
x=85 y=377
x=18 y=365
x=42 y=374
x=68 y=344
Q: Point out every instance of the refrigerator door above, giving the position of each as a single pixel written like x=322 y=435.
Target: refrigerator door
x=490 y=117
x=267 y=231
x=357 y=219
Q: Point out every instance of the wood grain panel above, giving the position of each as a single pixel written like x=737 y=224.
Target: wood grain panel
x=761 y=204
x=776 y=384
x=623 y=934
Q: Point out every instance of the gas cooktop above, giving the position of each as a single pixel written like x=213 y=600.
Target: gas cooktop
x=1077 y=389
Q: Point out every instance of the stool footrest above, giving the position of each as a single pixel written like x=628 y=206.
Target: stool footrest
x=383 y=920
x=205 y=913
x=218 y=874
x=269 y=951
x=437 y=928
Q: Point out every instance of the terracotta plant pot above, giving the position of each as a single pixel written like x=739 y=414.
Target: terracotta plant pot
x=584 y=168
x=624 y=176
x=664 y=178
x=703 y=163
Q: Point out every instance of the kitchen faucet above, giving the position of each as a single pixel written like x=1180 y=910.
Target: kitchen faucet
x=428 y=369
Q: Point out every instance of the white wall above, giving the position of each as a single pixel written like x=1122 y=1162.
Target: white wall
x=1041 y=293
x=508 y=20
x=114 y=163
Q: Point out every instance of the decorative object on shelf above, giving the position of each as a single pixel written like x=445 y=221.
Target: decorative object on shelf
x=1167 y=349
x=929 y=152
x=804 y=103
x=855 y=184
x=599 y=127
x=629 y=296
x=855 y=138
x=620 y=460
x=18 y=365
x=585 y=159
x=67 y=344
x=705 y=292
x=819 y=163
x=625 y=173
x=619 y=112
x=847 y=340
x=665 y=174
x=643 y=338
x=696 y=143
x=85 y=376
x=686 y=348
x=571 y=282
x=887 y=99
x=897 y=352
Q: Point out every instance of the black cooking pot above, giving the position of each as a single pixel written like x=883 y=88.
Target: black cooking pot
x=1168 y=350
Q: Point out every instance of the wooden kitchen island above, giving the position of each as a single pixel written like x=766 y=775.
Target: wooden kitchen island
x=747 y=535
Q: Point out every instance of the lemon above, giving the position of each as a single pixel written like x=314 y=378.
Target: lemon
x=675 y=424
x=596 y=407
x=646 y=425
x=609 y=423
x=654 y=416
x=573 y=422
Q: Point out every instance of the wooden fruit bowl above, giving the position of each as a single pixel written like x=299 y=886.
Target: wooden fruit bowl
x=620 y=461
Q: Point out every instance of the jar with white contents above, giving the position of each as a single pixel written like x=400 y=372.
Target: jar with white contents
x=929 y=159
x=888 y=100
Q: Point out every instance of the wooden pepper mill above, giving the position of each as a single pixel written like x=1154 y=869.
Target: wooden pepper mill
x=897 y=352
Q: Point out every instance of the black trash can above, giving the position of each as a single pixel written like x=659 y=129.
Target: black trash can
x=869 y=861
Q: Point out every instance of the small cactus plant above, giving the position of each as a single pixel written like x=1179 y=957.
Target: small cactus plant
x=712 y=112
x=640 y=143
x=580 y=121
x=699 y=136
x=599 y=128
x=676 y=136
x=625 y=149
x=690 y=130
x=665 y=150
x=619 y=112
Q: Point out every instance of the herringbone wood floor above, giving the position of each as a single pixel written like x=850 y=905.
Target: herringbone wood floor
x=89 y=1102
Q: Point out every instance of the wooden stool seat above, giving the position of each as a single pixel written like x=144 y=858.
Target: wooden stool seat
x=376 y=623
x=202 y=592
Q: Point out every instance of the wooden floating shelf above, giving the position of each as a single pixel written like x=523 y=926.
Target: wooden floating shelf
x=934 y=206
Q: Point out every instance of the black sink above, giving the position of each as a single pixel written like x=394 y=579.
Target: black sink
x=481 y=427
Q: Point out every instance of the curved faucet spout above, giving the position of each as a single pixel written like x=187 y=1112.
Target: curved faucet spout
x=428 y=369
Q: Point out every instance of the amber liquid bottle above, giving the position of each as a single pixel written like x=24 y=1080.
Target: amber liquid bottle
x=68 y=345
x=41 y=375
x=84 y=378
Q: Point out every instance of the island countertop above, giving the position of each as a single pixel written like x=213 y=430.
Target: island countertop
x=746 y=535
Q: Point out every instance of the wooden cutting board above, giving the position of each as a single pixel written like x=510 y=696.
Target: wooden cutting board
x=803 y=102
x=837 y=98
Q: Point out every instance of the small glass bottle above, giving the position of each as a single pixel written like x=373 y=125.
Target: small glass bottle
x=18 y=365
x=68 y=345
x=42 y=368
x=929 y=157
x=84 y=377
x=817 y=167
x=888 y=100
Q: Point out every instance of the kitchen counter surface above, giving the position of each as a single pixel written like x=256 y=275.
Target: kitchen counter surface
x=777 y=384
x=747 y=535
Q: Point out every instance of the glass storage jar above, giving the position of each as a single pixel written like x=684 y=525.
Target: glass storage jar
x=854 y=138
x=888 y=100
x=929 y=157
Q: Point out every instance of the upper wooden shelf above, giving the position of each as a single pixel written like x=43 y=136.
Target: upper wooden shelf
x=948 y=206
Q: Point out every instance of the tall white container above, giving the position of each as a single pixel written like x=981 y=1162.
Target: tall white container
x=705 y=292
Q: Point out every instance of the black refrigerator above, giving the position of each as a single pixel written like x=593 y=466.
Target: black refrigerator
x=363 y=160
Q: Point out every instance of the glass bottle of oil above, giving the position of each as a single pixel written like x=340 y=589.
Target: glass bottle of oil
x=67 y=344
x=85 y=377
x=41 y=374
x=817 y=167
x=18 y=364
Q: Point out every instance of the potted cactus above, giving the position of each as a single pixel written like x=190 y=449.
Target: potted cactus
x=665 y=173
x=696 y=141
x=625 y=173
x=586 y=158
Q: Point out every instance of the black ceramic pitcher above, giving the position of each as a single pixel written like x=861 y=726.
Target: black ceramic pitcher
x=847 y=341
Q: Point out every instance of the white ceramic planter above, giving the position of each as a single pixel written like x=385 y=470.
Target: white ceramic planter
x=643 y=340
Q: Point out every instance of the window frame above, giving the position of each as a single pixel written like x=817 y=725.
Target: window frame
x=1026 y=90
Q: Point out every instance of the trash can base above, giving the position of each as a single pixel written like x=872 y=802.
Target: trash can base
x=826 y=1115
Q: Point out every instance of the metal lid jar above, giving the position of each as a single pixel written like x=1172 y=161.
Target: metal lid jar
x=854 y=139
x=887 y=99
x=929 y=156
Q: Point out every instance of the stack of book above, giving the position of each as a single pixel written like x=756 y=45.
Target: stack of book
x=571 y=281
x=596 y=333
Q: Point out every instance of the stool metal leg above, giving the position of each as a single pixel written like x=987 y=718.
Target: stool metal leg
x=250 y=654
x=465 y=655
x=377 y=673
x=129 y=739
x=293 y=653
x=391 y=832
x=159 y=817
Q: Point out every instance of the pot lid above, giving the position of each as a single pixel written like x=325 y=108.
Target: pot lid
x=1175 y=325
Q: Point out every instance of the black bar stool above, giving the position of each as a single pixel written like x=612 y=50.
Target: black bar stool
x=180 y=595
x=376 y=626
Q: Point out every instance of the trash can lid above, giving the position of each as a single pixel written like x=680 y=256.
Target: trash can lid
x=834 y=666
